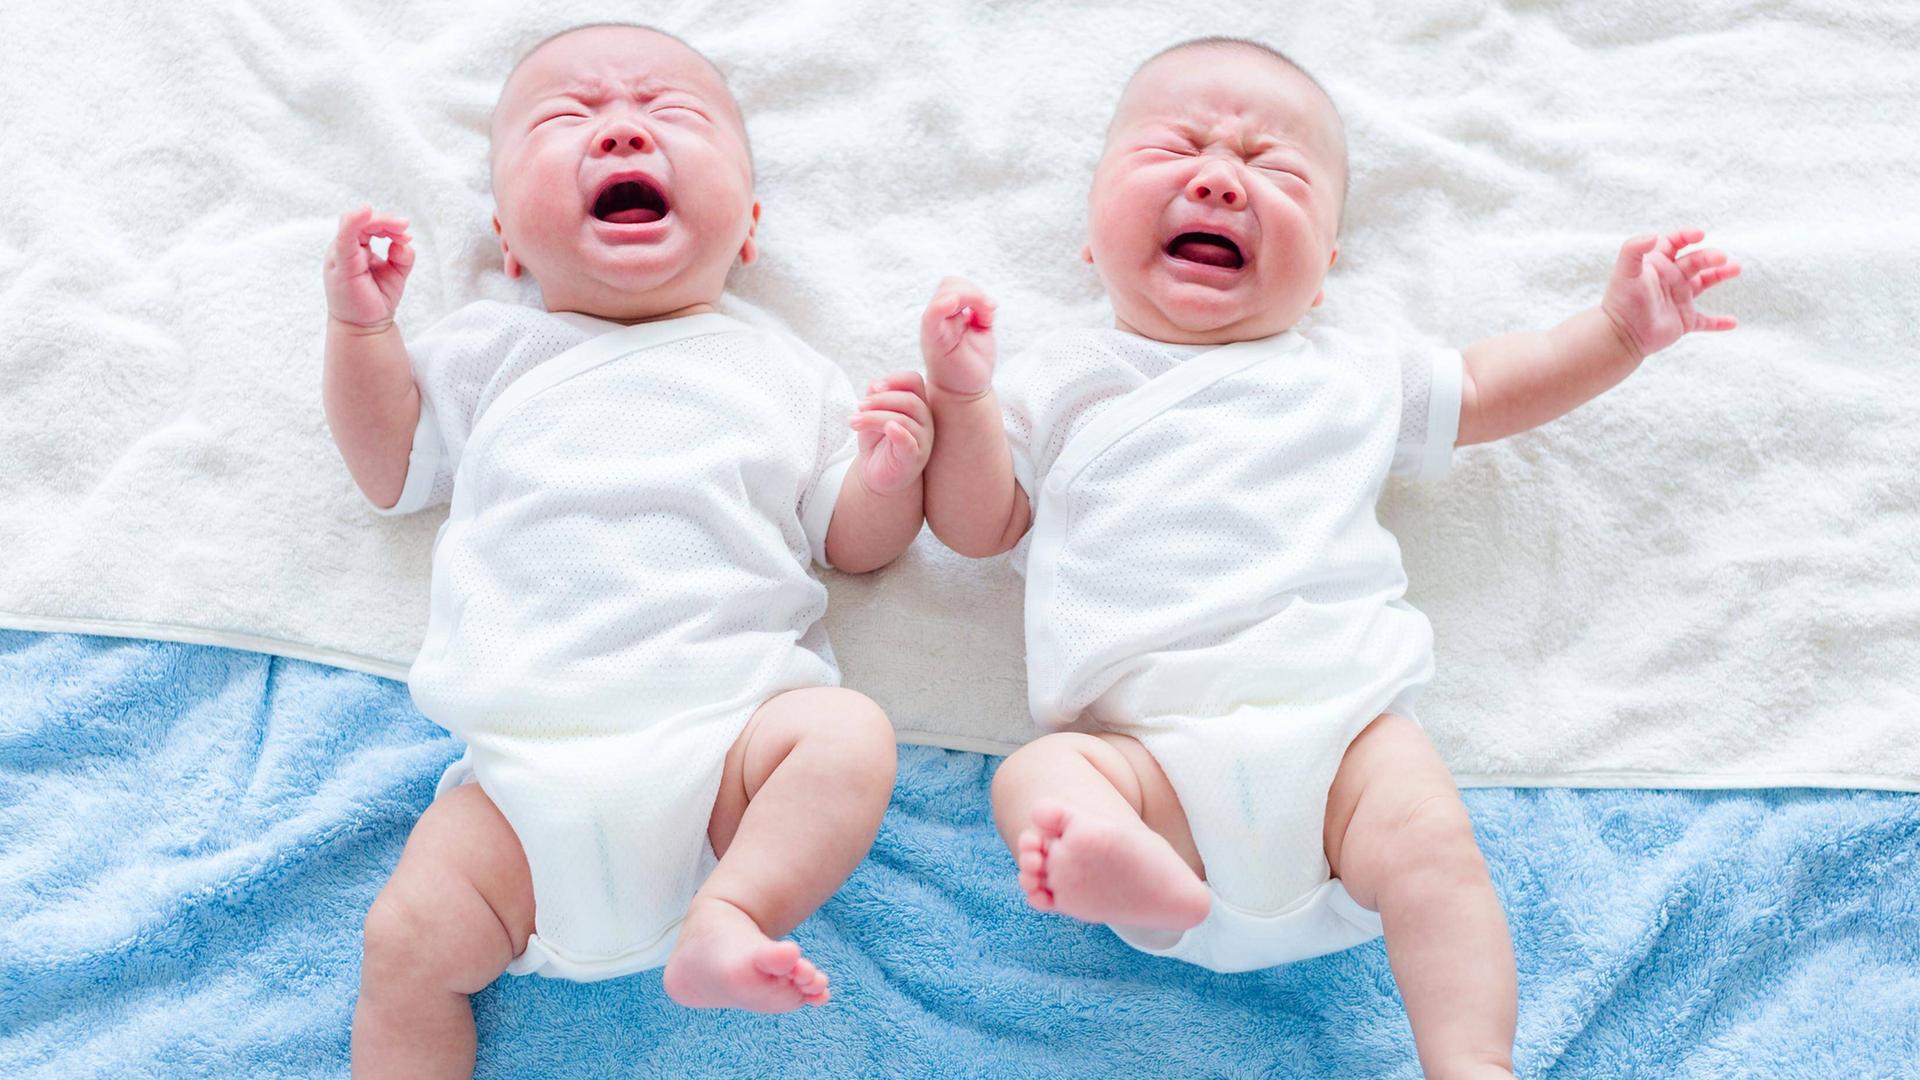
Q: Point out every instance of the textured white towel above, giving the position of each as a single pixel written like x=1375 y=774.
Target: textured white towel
x=1707 y=577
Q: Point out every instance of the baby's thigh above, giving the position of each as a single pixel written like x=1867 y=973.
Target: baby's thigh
x=460 y=903
x=853 y=731
x=1391 y=790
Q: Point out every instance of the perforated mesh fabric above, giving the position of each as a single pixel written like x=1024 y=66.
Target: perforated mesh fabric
x=622 y=580
x=1209 y=576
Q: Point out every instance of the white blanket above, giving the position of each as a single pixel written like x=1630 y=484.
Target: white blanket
x=1707 y=577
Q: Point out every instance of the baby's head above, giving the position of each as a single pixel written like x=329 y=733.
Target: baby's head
x=621 y=173
x=1215 y=210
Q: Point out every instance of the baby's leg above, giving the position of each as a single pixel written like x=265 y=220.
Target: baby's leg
x=457 y=909
x=801 y=798
x=1098 y=833
x=1399 y=840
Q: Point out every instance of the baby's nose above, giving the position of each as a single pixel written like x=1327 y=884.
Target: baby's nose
x=1217 y=185
x=622 y=140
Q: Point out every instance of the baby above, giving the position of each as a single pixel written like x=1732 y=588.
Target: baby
x=660 y=765
x=1192 y=498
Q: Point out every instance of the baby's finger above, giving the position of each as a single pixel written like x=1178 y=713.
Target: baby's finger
x=909 y=381
x=981 y=310
x=1632 y=254
x=1671 y=243
x=900 y=401
x=400 y=254
x=1707 y=279
x=877 y=420
x=1695 y=261
x=934 y=324
x=383 y=227
x=902 y=440
x=945 y=306
x=1715 y=322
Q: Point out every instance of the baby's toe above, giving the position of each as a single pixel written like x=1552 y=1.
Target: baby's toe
x=777 y=958
x=1051 y=819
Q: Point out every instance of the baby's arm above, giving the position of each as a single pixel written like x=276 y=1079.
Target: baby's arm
x=371 y=401
x=879 y=511
x=974 y=504
x=1517 y=381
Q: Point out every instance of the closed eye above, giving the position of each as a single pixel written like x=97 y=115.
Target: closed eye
x=562 y=116
x=687 y=109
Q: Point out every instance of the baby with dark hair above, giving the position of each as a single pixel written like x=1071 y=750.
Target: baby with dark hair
x=1191 y=495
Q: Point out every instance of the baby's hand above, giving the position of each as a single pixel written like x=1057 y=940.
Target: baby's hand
x=1650 y=296
x=362 y=288
x=956 y=339
x=895 y=432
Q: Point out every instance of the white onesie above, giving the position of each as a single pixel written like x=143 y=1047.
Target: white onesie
x=1205 y=573
x=622 y=579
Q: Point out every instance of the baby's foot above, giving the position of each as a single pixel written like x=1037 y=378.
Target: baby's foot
x=723 y=961
x=1106 y=871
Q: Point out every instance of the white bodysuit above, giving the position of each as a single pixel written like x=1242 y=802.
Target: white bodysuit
x=622 y=579
x=1206 y=573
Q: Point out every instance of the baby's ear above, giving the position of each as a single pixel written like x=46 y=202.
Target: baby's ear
x=1322 y=294
x=511 y=264
x=748 y=252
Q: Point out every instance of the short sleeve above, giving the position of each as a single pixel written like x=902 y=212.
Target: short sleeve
x=425 y=473
x=453 y=363
x=1430 y=381
x=834 y=446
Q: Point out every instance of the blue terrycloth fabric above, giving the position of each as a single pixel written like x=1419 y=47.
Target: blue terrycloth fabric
x=189 y=837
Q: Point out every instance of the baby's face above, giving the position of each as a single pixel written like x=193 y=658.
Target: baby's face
x=621 y=175
x=1215 y=207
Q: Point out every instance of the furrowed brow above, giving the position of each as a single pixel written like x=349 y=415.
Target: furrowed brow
x=586 y=89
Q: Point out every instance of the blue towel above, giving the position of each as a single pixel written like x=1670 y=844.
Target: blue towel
x=189 y=837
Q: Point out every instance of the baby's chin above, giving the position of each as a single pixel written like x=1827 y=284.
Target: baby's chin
x=1197 y=315
x=626 y=286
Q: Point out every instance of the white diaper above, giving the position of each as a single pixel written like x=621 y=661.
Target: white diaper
x=1253 y=785
x=616 y=844
x=1233 y=939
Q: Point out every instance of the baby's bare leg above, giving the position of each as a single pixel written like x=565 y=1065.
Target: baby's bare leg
x=801 y=798
x=1398 y=839
x=1098 y=833
x=457 y=909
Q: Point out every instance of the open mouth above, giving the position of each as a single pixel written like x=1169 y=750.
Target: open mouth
x=630 y=202
x=1209 y=249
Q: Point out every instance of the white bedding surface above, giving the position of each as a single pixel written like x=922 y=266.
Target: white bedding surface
x=1708 y=577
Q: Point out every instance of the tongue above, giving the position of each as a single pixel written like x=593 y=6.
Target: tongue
x=636 y=216
x=1206 y=251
